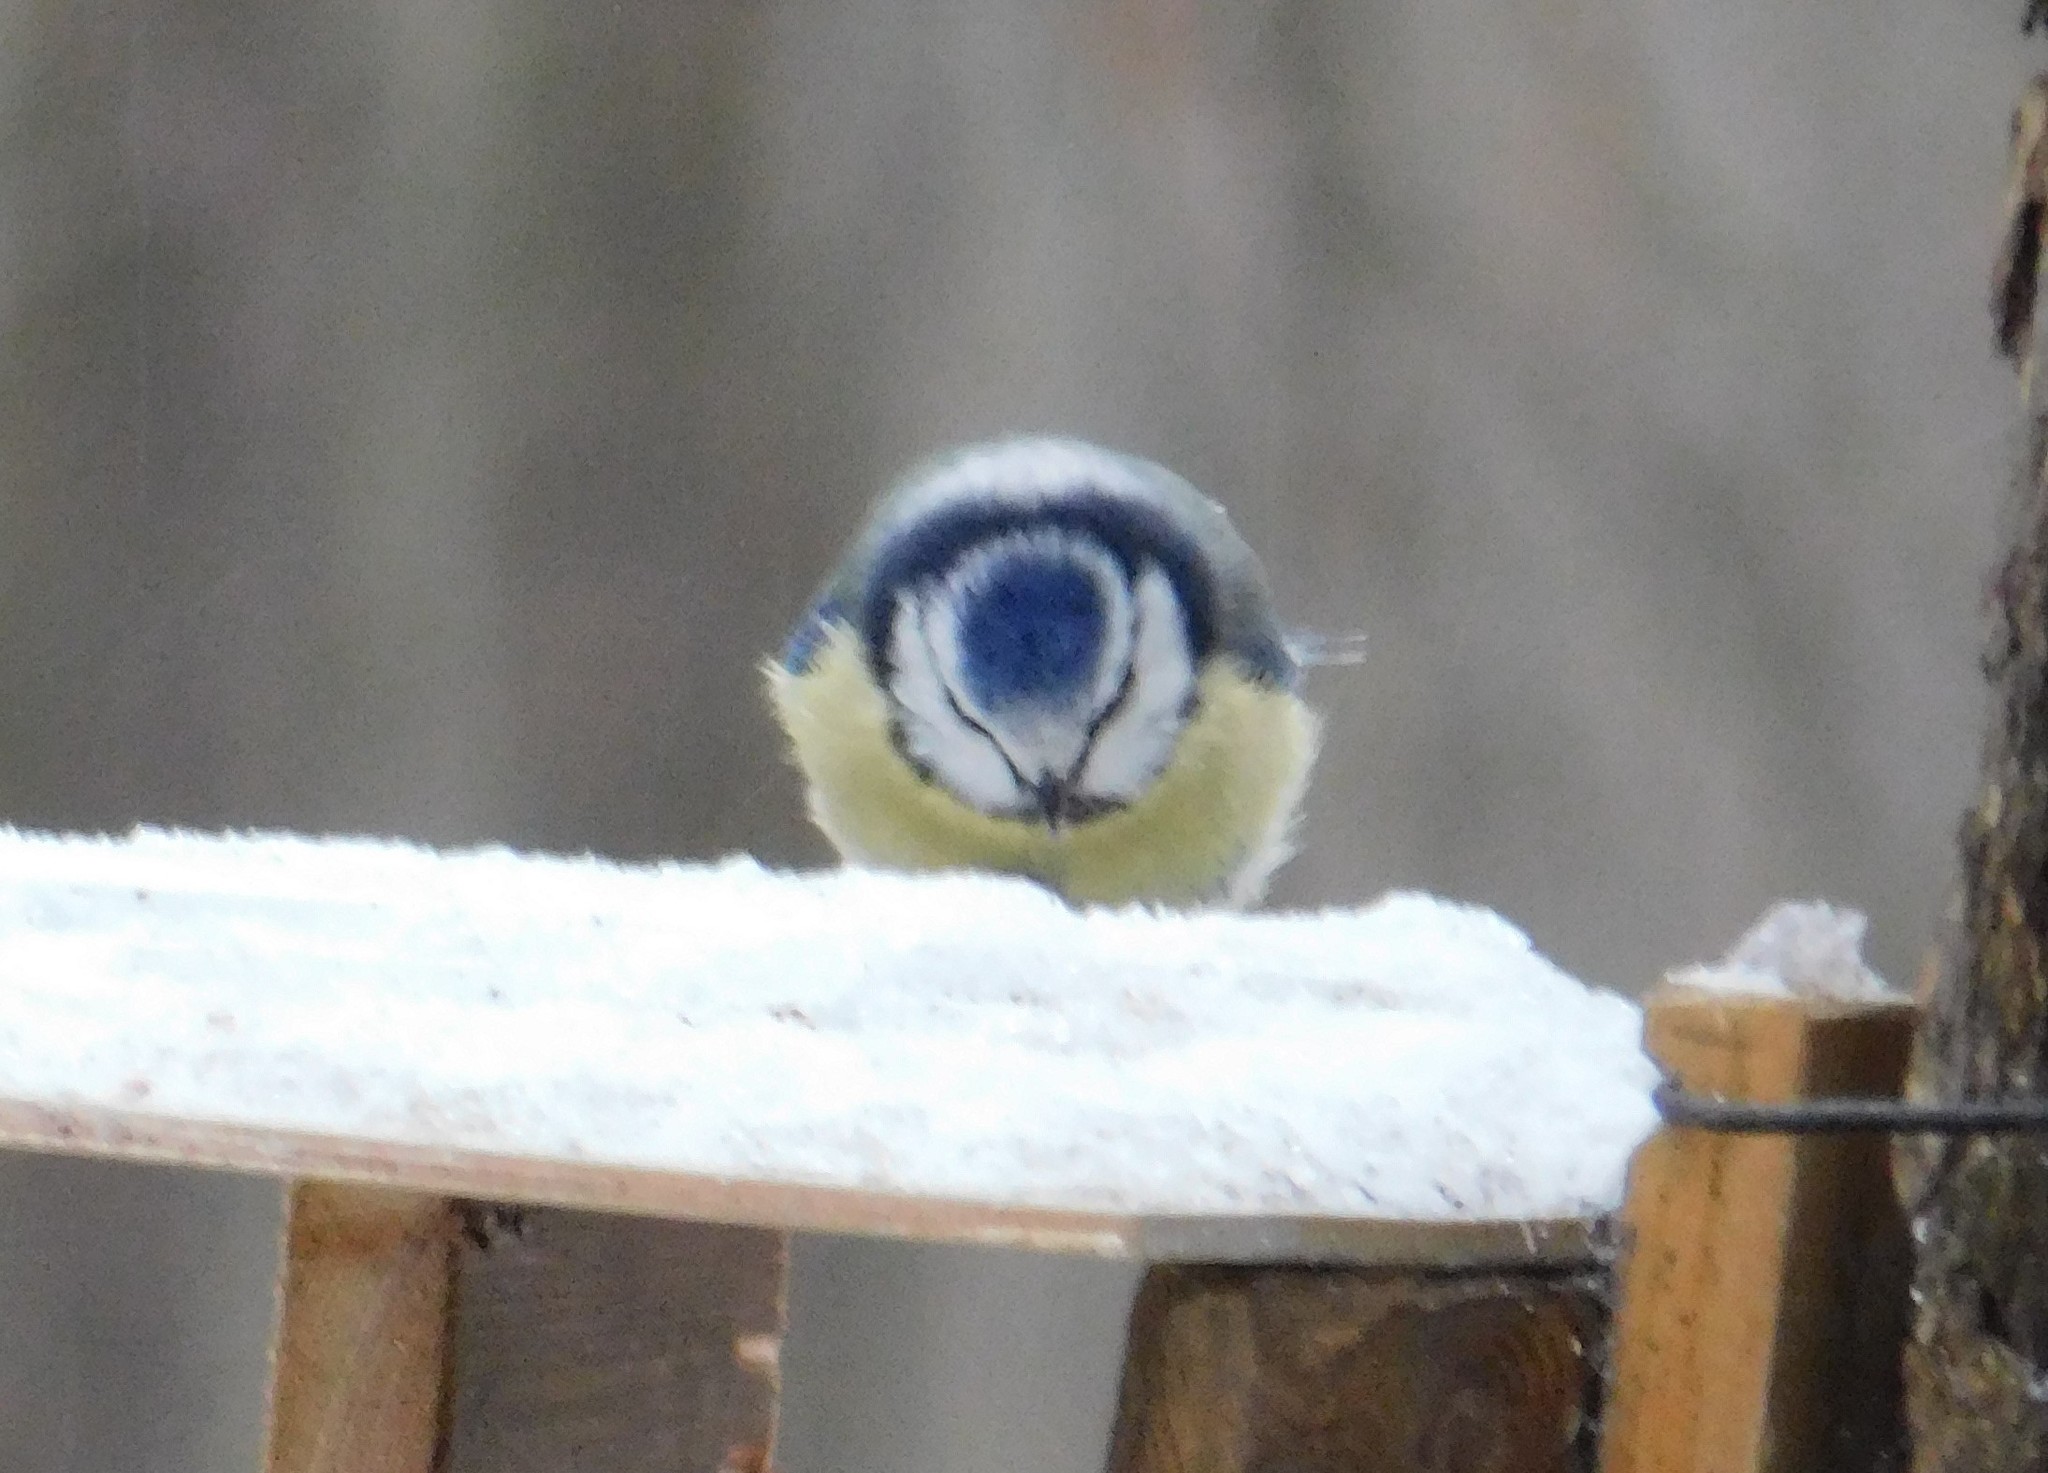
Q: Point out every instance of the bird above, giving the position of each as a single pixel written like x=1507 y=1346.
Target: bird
x=1041 y=657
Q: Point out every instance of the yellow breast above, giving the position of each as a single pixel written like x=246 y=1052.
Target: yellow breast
x=1212 y=828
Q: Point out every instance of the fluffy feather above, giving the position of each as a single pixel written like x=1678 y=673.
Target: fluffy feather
x=1211 y=829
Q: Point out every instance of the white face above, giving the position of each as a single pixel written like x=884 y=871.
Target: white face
x=1046 y=708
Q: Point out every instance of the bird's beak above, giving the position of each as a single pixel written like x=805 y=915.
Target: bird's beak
x=1055 y=800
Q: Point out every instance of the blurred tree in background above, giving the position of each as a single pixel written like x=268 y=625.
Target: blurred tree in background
x=420 y=419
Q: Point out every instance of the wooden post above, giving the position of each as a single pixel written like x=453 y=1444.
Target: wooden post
x=1762 y=1288
x=418 y=1335
x=629 y=1344
x=1246 y=1370
x=359 y=1358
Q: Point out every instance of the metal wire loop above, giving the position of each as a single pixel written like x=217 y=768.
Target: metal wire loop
x=1680 y=1106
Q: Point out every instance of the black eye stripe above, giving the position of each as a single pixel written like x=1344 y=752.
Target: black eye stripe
x=959 y=711
x=1023 y=787
x=1108 y=713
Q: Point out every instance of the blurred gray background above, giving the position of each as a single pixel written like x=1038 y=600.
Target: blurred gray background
x=419 y=419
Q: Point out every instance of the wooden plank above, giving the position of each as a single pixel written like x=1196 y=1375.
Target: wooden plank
x=1235 y=1370
x=635 y=1346
x=262 y=1002
x=454 y=1172
x=358 y=1365
x=1762 y=1290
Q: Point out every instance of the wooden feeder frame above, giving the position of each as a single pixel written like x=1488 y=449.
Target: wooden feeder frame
x=450 y=1311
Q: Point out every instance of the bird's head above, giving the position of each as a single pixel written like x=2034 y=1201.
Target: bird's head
x=1045 y=658
x=1039 y=613
x=1037 y=673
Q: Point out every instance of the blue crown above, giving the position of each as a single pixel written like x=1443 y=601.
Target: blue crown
x=1031 y=630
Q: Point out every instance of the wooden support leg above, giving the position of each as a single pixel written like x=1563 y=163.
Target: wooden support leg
x=362 y=1331
x=1297 y=1370
x=632 y=1345
x=417 y=1335
x=1762 y=1292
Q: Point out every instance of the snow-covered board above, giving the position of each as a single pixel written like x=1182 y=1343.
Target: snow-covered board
x=954 y=1057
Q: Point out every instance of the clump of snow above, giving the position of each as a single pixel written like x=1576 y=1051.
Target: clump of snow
x=960 y=1036
x=1799 y=948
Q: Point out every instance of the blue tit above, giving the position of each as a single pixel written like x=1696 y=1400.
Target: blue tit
x=1045 y=658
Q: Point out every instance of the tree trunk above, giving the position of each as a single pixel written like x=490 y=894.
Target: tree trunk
x=1977 y=1364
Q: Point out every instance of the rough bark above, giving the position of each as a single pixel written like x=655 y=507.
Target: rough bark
x=1977 y=1365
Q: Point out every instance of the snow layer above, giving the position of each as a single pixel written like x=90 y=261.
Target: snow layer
x=963 y=1036
x=1798 y=948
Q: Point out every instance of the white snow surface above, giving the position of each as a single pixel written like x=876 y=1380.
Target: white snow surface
x=960 y=1036
x=1797 y=948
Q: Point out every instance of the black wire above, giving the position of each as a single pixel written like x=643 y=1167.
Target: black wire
x=1839 y=1116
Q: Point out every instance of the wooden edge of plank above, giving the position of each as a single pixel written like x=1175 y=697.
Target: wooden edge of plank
x=1372 y=1243
x=360 y=1350
x=455 y=1172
